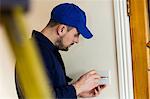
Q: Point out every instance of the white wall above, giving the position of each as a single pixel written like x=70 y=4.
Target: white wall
x=98 y=53
x=7 y=82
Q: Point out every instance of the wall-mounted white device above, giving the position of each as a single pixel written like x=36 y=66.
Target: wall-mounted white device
x=105 y=77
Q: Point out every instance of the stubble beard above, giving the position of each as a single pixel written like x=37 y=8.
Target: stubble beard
x=59 y=44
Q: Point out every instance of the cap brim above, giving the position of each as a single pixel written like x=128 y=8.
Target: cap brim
x=85 y=32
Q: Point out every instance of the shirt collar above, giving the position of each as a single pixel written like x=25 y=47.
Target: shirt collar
x=44 y=40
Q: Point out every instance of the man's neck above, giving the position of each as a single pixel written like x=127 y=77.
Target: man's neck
x=49 y=33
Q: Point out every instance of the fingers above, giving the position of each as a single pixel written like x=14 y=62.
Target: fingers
x=97 y=91
x=93 y=74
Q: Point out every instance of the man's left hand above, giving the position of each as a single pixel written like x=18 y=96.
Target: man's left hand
x=92 y=93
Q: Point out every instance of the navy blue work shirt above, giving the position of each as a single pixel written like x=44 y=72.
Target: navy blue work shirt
x=54 y=68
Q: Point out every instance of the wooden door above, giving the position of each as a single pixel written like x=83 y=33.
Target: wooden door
x=140 y=36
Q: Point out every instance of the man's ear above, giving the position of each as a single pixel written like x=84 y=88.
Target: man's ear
x=61 y=30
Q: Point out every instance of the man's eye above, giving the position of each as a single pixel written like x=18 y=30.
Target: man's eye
x=76 y=35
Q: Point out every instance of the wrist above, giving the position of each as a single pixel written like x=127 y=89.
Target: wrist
x=77 y=88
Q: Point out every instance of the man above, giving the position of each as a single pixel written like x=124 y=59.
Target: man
x=67 y=22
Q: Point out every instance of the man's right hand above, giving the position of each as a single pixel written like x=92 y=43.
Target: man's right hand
x=87 y=82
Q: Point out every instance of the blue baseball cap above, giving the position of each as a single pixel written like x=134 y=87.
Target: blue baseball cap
x=71 y=15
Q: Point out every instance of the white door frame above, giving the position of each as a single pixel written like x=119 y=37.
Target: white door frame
x=123 y=45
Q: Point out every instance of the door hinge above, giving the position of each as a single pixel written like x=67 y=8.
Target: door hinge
x=128 y=8
x=148 y=44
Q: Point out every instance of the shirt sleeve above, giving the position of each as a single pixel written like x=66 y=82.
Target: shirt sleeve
x=64 y=92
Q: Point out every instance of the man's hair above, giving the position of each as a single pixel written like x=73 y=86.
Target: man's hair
x=53 y=23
